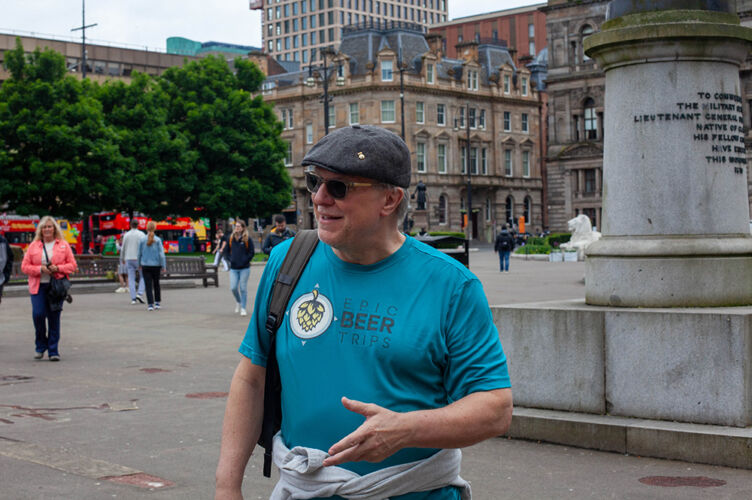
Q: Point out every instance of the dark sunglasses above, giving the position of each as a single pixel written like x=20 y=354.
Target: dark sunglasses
x=337 y=189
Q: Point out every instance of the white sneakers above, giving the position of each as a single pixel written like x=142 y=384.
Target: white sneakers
x=121 y=289
x=243 y=312
x=237 y=308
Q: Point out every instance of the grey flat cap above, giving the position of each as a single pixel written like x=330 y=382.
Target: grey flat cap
x=365 y=151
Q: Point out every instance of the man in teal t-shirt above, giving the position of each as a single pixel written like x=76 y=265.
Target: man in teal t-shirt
x=379 y=369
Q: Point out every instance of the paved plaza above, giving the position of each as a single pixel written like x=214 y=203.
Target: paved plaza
x=139 y=396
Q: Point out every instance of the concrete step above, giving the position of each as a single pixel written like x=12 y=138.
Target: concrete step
x=707 y=444
x=79 y=288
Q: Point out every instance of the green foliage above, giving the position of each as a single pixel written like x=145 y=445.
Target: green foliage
x=531 y=249
x=156 y=168
x=447 y=233
x=556 y=239
x=238 y=168
x=56 y=156
x=536 y=240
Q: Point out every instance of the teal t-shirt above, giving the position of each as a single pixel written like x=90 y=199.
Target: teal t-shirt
x=411 y=332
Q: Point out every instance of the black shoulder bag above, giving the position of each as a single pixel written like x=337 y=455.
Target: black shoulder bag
x=297 y=257
x=57 y=293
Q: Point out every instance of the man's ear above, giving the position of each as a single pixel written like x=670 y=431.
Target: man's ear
x=392 y=200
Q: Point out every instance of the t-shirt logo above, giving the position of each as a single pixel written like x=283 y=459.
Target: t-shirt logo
x=311 y=315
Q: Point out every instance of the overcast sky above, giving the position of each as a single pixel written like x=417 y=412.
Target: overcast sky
x=148 y=23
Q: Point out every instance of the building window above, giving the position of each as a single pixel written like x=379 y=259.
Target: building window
x=354 y=113
x=523 y=84
x=528 y=210
x=526 y=164
x=429 y=73
x=442 y=209
x=483 y=162
x=509 y=210
x=508 y=162
x=473 y=161
x=482 y=119
x=462 y=117
x=472 y=79
x=524 y=123
x=387 y=73
x=288 y=154
x=587 y=30
x=591 y=120
x=387 y=111
x=309 y=133
x=419 y=113
x=441 y=158
x=420 y=156
x=488 y=210
x=590 y=181
x=471 y=117
x=531 y=47
x=506 y=84
x=507 y=121
x=440 y=114
x=332 y=116
x=531 y=30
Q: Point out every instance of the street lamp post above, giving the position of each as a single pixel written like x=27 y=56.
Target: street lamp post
x=467 y=166
x=83 y=37
x=310 y=81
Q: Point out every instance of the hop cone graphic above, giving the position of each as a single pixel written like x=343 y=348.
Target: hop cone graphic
x=310 y=313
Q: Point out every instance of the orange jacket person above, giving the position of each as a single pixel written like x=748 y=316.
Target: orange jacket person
x=48 y=255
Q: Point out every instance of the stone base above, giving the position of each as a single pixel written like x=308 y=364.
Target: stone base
x=669 y=272
x=420 y=219
x=686 y=365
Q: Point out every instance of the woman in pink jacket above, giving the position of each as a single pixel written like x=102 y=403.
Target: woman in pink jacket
x=48 y=255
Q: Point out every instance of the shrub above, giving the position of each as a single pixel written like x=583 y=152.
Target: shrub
x=536 y=240
x=556 y=239
x=530 y=249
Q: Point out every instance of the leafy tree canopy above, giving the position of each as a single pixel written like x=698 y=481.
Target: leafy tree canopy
x=57 y=156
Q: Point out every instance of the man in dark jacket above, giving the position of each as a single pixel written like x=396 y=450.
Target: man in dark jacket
x=277 y=235
x=504 y=245
x=6 y=263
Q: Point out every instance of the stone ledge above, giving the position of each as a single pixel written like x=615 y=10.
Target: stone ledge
x=707 y=444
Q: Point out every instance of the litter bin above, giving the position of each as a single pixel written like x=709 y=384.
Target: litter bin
x=185 y=244
x=450 y=245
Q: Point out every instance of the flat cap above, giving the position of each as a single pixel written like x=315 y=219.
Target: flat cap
x=365 y=151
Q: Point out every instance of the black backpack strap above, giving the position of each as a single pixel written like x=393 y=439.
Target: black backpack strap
x=295 y=261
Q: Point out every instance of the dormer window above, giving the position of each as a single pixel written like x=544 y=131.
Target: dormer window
x=506 y=84
x=387 y=71
x=472 y=79
x=429 y=73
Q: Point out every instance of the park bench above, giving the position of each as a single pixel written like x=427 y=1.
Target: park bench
x=97 y=269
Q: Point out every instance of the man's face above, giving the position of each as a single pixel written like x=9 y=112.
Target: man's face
x=281 y=225
x=347 y=223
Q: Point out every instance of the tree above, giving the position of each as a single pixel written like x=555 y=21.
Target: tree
x=57 y=156
x=157 y=161
x=239 y=164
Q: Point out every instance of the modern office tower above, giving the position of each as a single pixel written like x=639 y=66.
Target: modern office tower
x=297 y=30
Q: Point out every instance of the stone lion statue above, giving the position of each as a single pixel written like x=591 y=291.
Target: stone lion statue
x=582 y=235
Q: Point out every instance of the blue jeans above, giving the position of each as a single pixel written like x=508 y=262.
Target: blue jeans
x=131 y=266
x=46 y=322
x=504 y=260
x=239 y=285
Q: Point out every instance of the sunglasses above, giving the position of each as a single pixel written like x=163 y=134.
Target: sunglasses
x=337 y=189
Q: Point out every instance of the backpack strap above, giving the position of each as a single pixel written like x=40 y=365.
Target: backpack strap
x=295 y=261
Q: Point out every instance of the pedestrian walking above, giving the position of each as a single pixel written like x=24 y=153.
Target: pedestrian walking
x=504 y=245
x=383 y=379
x=220 y=244
x=48 y=255
x=152 y=262
x=240 y=251
x=129 y=256
x=6 y=263
x=279 y=233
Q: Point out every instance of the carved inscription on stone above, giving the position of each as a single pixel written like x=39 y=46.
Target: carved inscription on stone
x=717 y=122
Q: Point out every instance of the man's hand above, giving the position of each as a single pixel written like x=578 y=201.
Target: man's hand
x=382 y=435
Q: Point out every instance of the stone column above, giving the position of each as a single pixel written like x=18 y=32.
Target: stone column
x=675 y=202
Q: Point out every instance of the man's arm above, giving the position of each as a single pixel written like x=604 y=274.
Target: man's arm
x=472 y=419
x=241 y=428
